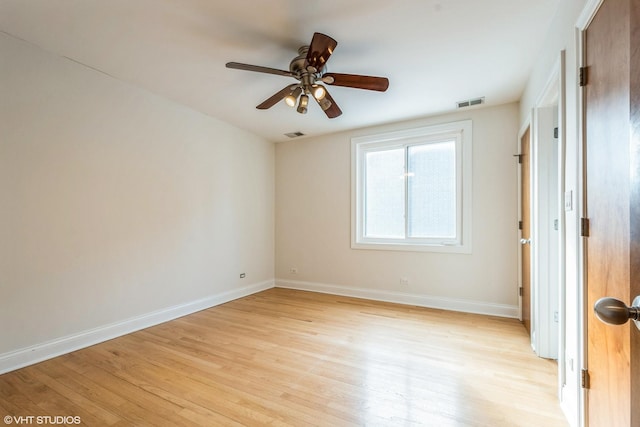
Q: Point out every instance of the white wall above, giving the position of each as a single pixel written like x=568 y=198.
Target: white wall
x=562 y=35
x=116 y=203
x=313 y=224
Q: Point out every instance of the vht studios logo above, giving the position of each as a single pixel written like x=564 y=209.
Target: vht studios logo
x=42 y=419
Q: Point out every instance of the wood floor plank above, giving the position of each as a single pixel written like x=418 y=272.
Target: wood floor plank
x=290 y=358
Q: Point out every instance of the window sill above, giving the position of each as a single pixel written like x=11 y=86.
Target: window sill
x=407 y=247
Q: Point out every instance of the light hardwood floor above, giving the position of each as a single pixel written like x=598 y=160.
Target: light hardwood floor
x=293 y=358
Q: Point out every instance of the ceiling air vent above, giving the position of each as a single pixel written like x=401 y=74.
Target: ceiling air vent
x=470 y=102
x=294 y=134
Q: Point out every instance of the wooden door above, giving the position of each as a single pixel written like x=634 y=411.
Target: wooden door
x=525 y=191
x=613 y=210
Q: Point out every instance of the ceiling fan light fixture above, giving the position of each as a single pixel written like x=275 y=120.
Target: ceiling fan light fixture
x=319 y=92
x=292 y=98
x=302 y=105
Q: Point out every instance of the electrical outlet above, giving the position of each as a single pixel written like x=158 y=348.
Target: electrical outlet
x=404 y=281
x=242 y=275
x=293 y=270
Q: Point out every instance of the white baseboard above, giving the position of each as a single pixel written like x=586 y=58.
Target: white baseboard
x=40 y=352
x=452 y=304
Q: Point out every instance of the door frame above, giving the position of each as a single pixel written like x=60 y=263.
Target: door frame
x=588 y=13
x=523 y=129
x=548 y=339
x=547 y=247
x=543 y=340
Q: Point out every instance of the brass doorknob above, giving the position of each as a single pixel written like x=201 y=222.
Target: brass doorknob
x=615 y=312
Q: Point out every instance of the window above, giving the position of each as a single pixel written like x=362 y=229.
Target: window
x=411 y=190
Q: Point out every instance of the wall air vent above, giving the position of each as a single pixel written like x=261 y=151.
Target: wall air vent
x=294 y=134
x=470 y=102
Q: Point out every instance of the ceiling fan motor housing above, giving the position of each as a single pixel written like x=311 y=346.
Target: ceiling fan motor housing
x=297 y=64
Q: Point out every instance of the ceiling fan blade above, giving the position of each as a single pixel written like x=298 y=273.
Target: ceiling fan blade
x=258 y=69
x=333 y=110
x=320 y=50
x=357 y=81
x=268 y=103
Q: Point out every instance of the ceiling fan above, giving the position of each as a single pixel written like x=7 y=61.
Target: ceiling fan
x=308 y=69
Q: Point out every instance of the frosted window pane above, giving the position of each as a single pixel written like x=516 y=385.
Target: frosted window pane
x=384 y=203
x=432 y=190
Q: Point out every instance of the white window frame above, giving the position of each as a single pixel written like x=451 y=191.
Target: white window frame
x=461 y=132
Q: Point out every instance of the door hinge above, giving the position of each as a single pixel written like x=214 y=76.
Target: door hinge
x=555 y=133
x=519 y=225
x=585 y=379
x=584 y=227
x=519 y=156
x=520 y=291
x=584 y=75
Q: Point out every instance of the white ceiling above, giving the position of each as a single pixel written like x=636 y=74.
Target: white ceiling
x=434 y=52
